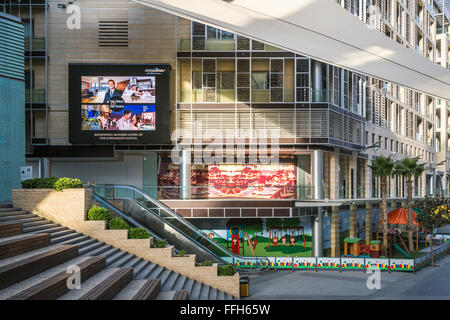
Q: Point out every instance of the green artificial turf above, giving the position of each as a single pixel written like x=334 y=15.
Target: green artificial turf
x=296 y=250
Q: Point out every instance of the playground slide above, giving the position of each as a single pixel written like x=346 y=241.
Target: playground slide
x=403 y=252
x=249 y=242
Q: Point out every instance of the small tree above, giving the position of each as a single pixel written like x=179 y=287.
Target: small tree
x=383 y=167
x=409 y=168
x=433 y=213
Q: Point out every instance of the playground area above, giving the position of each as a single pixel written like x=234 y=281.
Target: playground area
x=280 y=250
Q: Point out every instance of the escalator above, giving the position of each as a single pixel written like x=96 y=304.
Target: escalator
x=141 y=209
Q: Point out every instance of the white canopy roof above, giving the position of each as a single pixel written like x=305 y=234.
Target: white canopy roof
x=319 y=29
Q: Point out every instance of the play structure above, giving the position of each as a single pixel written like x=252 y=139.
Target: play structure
x=353 y=247
x=236 y=241
x=283 y=232
x=395 y=237
x=251 y=243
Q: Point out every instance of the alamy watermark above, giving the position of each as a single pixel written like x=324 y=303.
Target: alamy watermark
x=373 y=281
x=74 y=280
x=73 y=21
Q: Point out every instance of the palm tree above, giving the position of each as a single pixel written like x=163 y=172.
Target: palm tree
x=409 y=168
x=383 y=168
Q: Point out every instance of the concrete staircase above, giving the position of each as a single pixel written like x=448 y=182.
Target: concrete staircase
x=36 y=253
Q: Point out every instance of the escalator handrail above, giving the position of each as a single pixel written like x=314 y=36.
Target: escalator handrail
x=172 y=213
x=123 y=215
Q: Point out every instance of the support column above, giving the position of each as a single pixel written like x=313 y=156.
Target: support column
x=317 y=241
x=368 y=178
x=45 y=168
x=318 y=97
x=444 y=184
x=318 y=174
x=334 y=174
x=368 y=229
x=353 y=220
x=335 y=247
x=185 y=174
x=354 y=186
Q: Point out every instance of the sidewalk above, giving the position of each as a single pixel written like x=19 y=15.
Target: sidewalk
x=429 y=283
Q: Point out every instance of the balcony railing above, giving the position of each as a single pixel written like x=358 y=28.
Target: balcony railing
x=35 y=96
x=34 y=44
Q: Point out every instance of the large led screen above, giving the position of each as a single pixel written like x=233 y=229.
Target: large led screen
x=252 y=181
x=117 y=104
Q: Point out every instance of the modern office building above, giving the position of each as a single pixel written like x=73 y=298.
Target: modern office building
x=324 y=124
x=12 y=121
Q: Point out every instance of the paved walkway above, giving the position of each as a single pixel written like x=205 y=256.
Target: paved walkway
x=428 y=283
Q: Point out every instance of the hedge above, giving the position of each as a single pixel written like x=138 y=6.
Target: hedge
x=138 y=233
x=52 y=183
x=39 y=183
x=226 y=270
x=159 y=243
x=98 y=213
x=117 y=223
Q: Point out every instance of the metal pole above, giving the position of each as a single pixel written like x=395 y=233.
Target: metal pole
x=317 y=241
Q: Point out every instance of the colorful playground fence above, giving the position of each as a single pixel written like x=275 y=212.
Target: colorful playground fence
x=343 y=264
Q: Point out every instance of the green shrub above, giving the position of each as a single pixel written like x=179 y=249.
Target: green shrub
x=207 y=263
x=98 y=213
x=117 y=223
x=52 y=183
x=68 y=183
x=159 y=243
x=181 y=253
x=226 y=270
x=138 y=233
x=40 y=183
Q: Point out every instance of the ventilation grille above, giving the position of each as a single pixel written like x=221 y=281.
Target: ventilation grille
x=113 y=33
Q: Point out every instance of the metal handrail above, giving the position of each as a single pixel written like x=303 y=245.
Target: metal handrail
x=162 y=207
x=123 y=215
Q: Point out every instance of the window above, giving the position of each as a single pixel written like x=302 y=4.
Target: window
x=260 y=80
x=214 y=33
x=196 y=80
x=225 y=80
x=28 y=28
x=29 y=79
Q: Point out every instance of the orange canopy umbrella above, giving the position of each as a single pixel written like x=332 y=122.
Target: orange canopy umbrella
x=400 y=216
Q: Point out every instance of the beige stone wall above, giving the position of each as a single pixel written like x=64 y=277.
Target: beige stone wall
x=69 y=208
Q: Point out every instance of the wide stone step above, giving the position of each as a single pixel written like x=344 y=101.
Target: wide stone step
x=146 y=271
x=37 y=223
x=173 y=295
x=11 y=213
x=194 y=294
x=189 y=284
x=8 y=229
x=56 y=286
x=94 y=250
x=204 y=293
x=23 y=243
x=48 y=228
x=179 y=284
x=111 y=286
x=170 y=282
x=22 y=218
x=147 y=289
x=65 y=237
x=27 y=267
x=9 y=209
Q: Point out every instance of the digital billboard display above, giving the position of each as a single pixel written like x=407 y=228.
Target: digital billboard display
x=119 y=104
